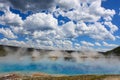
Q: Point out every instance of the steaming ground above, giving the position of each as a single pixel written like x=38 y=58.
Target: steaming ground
x=36 y=55
x=58 y=62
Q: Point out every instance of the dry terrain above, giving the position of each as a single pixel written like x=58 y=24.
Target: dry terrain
x=40 y=76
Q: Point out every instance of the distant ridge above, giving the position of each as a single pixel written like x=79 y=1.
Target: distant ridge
x=3 y=48
x=3 y=52
x=115 y=52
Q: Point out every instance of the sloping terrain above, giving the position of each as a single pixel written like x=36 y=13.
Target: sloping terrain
x=114 y=52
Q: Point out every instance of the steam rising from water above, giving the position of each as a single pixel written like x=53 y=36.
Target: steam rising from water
x=59 y=62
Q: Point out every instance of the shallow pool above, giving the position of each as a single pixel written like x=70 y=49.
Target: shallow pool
x=60 y=66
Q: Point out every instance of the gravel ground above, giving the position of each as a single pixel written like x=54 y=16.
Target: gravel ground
x=40 y=76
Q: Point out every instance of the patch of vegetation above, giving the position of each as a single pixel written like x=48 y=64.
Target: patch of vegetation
x=115 y=52
x=2 y=51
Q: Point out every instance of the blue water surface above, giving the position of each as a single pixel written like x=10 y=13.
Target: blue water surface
x=61 y=67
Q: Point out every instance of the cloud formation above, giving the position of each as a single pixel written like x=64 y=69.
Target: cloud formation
x=27 y=5
x=86 y=17
x=7 y=33
x=11 y=19
x=40 y=21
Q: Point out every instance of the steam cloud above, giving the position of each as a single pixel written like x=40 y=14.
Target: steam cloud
x=77 y=56
x=88 y=62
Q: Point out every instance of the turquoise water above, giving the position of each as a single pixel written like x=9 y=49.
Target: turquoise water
x=64 y=67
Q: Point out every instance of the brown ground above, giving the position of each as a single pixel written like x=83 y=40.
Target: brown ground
x=40 y=76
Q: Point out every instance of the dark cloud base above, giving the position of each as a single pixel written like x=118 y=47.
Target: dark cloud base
x=33 y=5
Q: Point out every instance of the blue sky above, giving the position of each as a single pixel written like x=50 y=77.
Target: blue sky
x=78 y=24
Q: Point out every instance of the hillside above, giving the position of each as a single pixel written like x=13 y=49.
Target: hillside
x=5 y=49
x=2 y=51
x=115 y=52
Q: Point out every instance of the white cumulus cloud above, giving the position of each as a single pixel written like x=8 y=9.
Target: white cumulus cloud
x=85 y=19
x=7 y=33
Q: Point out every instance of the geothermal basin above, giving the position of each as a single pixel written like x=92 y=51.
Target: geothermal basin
x=56 y=64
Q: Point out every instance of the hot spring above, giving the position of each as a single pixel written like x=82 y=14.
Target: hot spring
x=57 y=63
